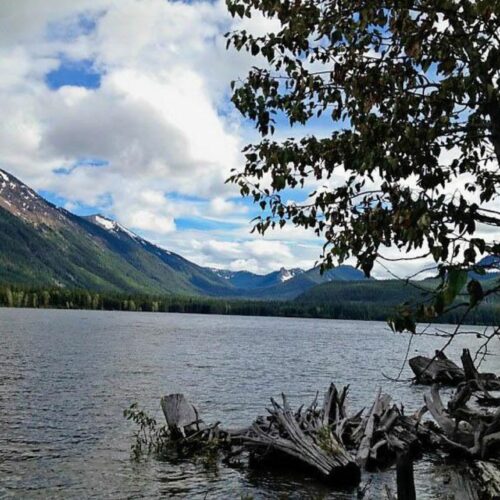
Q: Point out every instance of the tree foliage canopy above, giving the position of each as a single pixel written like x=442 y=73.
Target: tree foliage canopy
x=411 y=88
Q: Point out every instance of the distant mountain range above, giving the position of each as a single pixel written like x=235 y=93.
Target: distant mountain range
x=44 y=245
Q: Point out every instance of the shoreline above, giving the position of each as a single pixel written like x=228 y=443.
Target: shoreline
x=236 y=314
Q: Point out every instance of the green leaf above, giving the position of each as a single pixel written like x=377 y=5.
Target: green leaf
x=279 y=182
x=476 y=293
x=455 y=281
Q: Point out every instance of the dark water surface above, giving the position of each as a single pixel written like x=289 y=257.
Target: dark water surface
x=66 y=376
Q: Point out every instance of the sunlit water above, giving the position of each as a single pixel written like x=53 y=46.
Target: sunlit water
x=66 y=377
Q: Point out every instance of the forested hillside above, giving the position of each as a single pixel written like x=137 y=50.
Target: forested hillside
x=44 y=246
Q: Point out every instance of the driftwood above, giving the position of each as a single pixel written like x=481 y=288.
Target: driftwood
x=285 y=434
x=440 y=369
x=384 y=434
x=478 y=480
x=338 y=446
x=321 y=438
x=181 y=416
x=486 y=477
x=471 y=432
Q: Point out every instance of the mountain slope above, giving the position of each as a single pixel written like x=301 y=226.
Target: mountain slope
x=43 y=245
x=384 y=294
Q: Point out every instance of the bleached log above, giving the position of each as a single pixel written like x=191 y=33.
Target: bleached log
x=470 y=370
x=486 y=478
x=435 y=406
x=478 y=381
x=475 y=433
x=461 y=397
x=181 y=416
x=462 y=487
x=379 y=406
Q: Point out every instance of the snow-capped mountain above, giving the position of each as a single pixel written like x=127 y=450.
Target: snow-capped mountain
x=285 y=283
x=248 y=280
x=288 y=274
x=113 y=226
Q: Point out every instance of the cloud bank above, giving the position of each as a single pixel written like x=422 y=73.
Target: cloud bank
x=122 y=107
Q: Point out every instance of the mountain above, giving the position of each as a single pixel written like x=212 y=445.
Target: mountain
x=249 y=281
x=383 y=292
x=491 y=261
x=292 y=284
x=285 y=283
x=379 y=299
x=44 y=245
x=41 y=244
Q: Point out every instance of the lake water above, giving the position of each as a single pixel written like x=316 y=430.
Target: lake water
x=67 y=376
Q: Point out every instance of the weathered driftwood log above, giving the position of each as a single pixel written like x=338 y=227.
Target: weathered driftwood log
x=383 y=434
x=438 y=369
x=474 y=433
x=478 y=381
x=181 y=416
x=462 y=486
x=486 y=477
x=367 y=428
x=470 y=370
x=281 y=437
x=478 y=480
x=334 y=415
x=487 y=400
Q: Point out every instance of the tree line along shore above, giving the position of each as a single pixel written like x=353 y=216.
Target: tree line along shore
x=355 y=308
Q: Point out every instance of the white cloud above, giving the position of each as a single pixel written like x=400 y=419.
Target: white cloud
x=154 y=118
x=256 y=255
x=160 y=119
x=151 y=221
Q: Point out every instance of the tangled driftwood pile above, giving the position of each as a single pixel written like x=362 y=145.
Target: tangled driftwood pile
x=326 y=439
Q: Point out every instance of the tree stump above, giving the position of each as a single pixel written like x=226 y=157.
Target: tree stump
x=181 y=416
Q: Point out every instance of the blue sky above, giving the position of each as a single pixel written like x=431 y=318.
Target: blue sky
x=74 y=73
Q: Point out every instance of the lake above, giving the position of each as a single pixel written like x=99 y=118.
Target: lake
x=67 y=376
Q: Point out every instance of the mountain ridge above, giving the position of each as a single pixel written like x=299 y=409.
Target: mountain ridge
x=45 y=244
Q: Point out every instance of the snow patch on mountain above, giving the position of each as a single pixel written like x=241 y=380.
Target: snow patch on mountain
x=288 y=274
x=112 y=226
x=222 y=273
x=20 y=200
x=115 y=227
x=105 y=223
